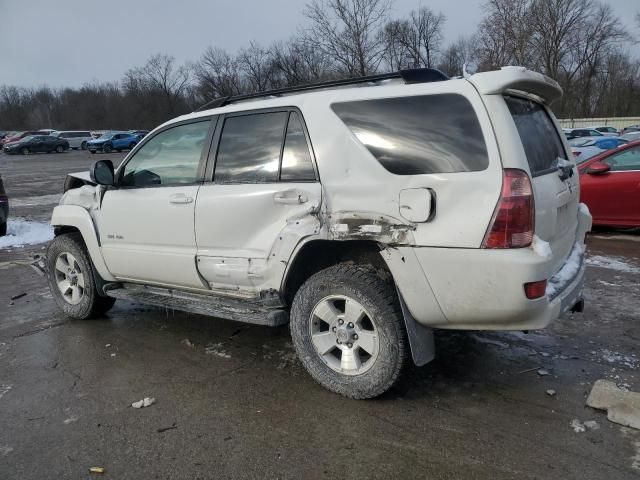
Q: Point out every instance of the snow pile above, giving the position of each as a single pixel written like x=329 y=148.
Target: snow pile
x=629 y=361
x=23 y=232
x=567 y=272
x=541 y=247
x=583 y=208
x=612 y=263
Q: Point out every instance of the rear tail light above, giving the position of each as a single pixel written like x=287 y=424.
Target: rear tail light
x=513 y=220
x=535 y=290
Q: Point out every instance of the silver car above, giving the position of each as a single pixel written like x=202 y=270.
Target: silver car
x=76 y=138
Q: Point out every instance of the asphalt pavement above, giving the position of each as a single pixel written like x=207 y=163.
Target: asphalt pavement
x=232 y=401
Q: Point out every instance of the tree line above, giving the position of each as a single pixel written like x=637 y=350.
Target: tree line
x=580 y=43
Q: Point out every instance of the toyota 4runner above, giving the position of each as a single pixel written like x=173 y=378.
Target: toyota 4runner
x=364 y=212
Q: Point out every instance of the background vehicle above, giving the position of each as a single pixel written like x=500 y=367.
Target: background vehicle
x=317 y=206
x=610 y=186
x=581 y=132
x=117 y=141
x=139 y=133
x=20 y=135
x=4 y=209
x=37 y=144
x=609 y=131
x=76 y=138
x=584 y=148
x=630 y=129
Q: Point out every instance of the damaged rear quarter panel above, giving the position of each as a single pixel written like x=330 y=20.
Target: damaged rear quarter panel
x=369 y=226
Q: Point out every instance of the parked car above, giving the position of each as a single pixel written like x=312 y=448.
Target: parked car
x=77 y=139
x=584 y=148
x=318 y=207
x=20 y=135
x=630 y=129
x=609 y=185
x=37 y=144
x=631 y=135
x=581 y=132
x=139 y=133
x=117 y=141
x=4 y=209
x=606 y=130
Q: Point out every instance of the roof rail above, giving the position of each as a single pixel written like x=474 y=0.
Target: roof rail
x=411 y=75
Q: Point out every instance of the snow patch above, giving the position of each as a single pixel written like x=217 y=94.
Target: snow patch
x=216 y=349
x=584 y=209
x=145 y=402
x=541 y=247
x=568 y=271
x=629 y=361
x=24 y=232
x=612 y=263
x=4 y=389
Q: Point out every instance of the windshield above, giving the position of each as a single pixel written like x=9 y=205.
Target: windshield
x=581 y=142
x=27 y=138
x=106 y=136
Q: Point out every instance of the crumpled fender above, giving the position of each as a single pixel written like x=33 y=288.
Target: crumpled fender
x=78 y=217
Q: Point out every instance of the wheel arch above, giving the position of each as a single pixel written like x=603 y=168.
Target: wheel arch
x=72 y=218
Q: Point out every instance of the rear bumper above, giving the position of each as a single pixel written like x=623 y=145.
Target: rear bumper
x=478 y=289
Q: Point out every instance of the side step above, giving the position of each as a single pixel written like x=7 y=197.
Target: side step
x=246 y=311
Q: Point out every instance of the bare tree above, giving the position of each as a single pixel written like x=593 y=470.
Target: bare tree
x=257 y=66
x=160 y=75
x=347 y=31
x=455 y=56
x=297 y=62
x=218 y=74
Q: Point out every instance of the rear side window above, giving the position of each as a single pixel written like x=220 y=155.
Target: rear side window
x=540 y=139
x=296 y=158
x=418 y=135
x=250 y=146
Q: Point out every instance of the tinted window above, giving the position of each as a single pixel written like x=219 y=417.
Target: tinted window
x=540 y=139
x=627 y=160
x=417 y=135
x=296 y=159
x=171 y=157
x=250 y=147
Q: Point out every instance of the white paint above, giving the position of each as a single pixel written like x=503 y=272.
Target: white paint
x=22 y=232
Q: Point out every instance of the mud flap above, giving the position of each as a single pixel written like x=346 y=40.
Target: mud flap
x=421 y=341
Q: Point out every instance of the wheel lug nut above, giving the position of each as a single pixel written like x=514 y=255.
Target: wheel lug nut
x=340 y=321
x=333 y=329
x=349 y=345
x=338 y=342
x=350 y=325
x=355 y=337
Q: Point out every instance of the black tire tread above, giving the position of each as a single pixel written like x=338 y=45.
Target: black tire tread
x=376 y=289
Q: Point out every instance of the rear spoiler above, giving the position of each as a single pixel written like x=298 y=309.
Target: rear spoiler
x=519 y=79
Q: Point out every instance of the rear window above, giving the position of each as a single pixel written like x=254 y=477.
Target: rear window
x=538 y=134
x=418 y=135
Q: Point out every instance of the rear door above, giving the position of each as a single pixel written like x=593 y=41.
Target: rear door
x=556 y=190
x=261 y=202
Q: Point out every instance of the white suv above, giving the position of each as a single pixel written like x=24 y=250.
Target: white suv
x=77 y=138
x=364 y=212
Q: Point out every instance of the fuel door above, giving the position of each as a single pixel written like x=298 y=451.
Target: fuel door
x=417 y=204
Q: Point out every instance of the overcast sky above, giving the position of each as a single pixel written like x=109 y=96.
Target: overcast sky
x=71 y=42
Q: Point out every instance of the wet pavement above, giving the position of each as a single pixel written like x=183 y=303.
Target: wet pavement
x=232 y=401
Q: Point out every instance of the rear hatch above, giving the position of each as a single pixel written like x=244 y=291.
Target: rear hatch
x=554 y=176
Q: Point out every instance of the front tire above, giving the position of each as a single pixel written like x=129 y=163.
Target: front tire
x=71 y=280
x=348 y=330
x=106 y=148
x=59 y=149
x=24 y=151
x=83 y=146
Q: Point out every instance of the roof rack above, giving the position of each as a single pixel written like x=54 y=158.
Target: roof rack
x=411 y=75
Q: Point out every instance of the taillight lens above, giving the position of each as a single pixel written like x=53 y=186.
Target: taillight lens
x=513 y=221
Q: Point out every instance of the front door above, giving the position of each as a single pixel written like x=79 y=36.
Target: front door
x=614 y=197
x=262 y=201
x=146 y=223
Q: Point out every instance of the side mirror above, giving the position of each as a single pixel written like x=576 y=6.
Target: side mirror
x=598 y=168
x=102 y=172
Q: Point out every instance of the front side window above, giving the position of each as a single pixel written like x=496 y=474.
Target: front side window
x=249 y=150
x=171 y=157
x=538 y=134
x=418 y=135
x=625 y=161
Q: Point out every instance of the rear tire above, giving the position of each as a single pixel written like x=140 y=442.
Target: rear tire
x=24 y=151
x=3 y=229
x=71 y=280
x=132 y=145
x=107 y=148
x=83 y=146
x=59 y=149
x=92 y=152
x=353 y=315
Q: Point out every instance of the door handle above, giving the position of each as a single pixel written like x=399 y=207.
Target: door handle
x=290 y=197
x=180 y=199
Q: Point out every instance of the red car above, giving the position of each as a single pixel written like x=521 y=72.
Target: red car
x=610 y=186
x=21 y=135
